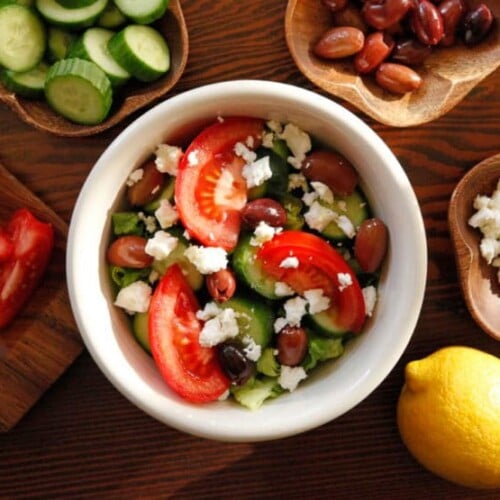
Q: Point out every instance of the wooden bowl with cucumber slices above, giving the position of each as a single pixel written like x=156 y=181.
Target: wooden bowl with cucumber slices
x=122 y=98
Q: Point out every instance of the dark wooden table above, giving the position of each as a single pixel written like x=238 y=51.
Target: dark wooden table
x=83 y=439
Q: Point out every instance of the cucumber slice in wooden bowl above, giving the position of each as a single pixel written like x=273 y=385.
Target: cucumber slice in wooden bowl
x=131 y=96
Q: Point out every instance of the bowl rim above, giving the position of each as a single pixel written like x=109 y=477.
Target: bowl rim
x=199 y=421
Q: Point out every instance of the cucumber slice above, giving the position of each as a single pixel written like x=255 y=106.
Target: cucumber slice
x=255 y=319
x=58 y=43
x=140 y=329
x=29 y=84
x=112 y=17
x=193 y=276
x=22 y=38
x=143 y=12
x=250 y=271
x=354 y=207
x=277 y=185
x=76 y=4
x=142 y=51
x=326 y=323
x=72 y=19
x=79 y=90
x=93 y=46
x=167 y=193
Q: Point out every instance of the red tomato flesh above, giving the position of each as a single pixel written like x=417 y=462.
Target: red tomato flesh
x=6 y=246
x=319 y=267
x=188 y=368
x=210 y=190
x=32 y=243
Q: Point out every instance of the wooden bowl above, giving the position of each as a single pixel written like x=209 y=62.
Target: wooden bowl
x=135 y=95
x=478 y=280
x=449 y=74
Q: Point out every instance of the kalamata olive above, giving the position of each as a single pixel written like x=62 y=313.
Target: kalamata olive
x=370 y=245
x=350 y=16
x=452 y=13
x=397 y=78
x=410 y=52
x=377 y=47
x=332 y=169
x=221 y=285
x=292 y=345
x=263 y=210
x=477 y=24
x=339 y=42
x=237 y=367
x=129 y=251
x=427 y=23
x=147 y=187
x=381 y=14
x=335 y=5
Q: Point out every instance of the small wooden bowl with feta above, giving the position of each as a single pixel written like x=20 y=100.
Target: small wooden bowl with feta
x=474 y=218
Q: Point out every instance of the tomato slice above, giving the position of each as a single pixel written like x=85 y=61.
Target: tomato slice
x=6 y=246
x=188 y=368
x=32 y=242
x=319 y=267
x=210 y=190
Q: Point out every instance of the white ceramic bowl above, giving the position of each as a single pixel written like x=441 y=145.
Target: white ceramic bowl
x=339 y=385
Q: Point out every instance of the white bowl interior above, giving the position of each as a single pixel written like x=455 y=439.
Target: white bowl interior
x=339 y=385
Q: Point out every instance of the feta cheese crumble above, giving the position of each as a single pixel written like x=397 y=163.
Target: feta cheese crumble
x=282 y=289
x=298 y=142
x=345 y=280
x=134 y=298
x=168 y=158
x=318 y=216
x=193 y=159
x=257 y=172
x=290 y=376
x=262 y=233
x=251 y=349
x=135 y=176
x=149 y=221
x=370 y=298
x=207 y=260
x=160 y=245
x=297 y=181
x=221 y=327
x=487 y=220
x=166 y=214
x=324 y=192
x=290 y=263
x=317 y=300
x=244 y=152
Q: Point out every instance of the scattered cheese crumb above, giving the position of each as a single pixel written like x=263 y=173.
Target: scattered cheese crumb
x=346 y=225
x=251 y=349
x=268 y=140
x=282 y=289
x=370 y=298
x=294 y=310
x=149 y=221
x=298 y=142
x=345 y=280
x=309 y=198
x=317 y=300
x=275 y=126
x=257 y=172
x=193 y=159
x=242 y=151
x=161 y=245
x=167 y=159
x=290 y=376
x=318 y=216
x=166 y=214
x=135 y=176
x=219 y=328
x=207 y=259
x=324 y=192
x=210 y=310
x=262 y=233
x=290 y=263
x=153 y=277
x=134 y=298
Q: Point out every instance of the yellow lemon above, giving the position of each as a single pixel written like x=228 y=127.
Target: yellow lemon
x=449 y=415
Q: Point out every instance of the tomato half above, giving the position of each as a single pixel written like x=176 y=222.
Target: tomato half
x=210 y=190
x=319 y=267
x=188 y=368
x=6 y=246
x=32 y=242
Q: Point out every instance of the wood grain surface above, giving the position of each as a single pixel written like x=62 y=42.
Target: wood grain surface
x=43 y=340
x=84 y=440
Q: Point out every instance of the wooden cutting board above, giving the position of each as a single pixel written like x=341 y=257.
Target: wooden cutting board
x=43 y=340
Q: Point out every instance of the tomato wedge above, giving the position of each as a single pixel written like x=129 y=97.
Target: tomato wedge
x=26 y=258
x=210 y=190
x=319 y=267
x=188 y=368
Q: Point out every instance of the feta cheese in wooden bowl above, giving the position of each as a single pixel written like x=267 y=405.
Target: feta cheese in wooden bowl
x=258 y=313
